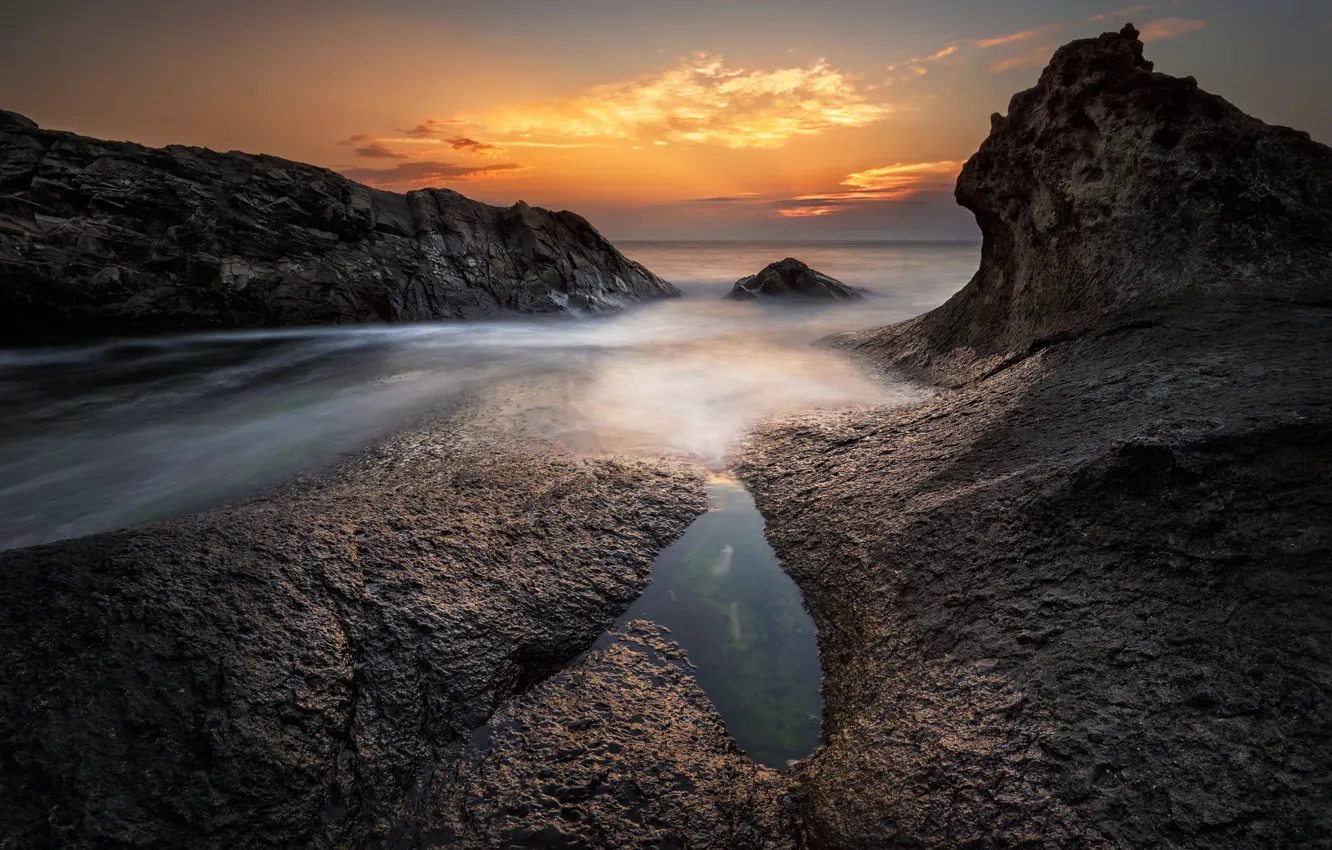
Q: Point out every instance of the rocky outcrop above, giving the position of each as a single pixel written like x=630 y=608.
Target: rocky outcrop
x=1078 y=599
x=306 y=669
x=104 y=237
x=1109 y=193
x=791 y=278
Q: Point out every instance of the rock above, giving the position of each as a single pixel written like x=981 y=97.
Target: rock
x=791 y=278
x=619 y=750
x=13 y=119
x=1079 y=599
x=102 y=238
x=306 y=669
x=1110 y=193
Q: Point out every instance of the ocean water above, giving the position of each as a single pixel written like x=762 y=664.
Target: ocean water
x=106 y=435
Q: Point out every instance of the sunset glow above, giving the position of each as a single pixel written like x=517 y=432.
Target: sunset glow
x=862 y=132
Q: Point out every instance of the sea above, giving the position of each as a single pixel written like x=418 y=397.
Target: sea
x=117 y=432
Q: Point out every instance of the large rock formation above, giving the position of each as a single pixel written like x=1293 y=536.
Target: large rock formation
x=306 y=669
x=1109 y=193
x=1082 y=598
x=791 y=278
x=109 y=237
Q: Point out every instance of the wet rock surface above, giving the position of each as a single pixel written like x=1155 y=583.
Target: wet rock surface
x=304 y=669
x=620 y=750
x=791 y=278
x=101 y=238
x=1080 y=598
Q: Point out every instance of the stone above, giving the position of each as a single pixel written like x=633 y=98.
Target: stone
x=306 y=668
x=230 y=240
x=1078 y=598
x=791 y=278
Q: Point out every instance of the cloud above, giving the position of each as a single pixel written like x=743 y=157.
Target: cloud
x=700 y=100
x=423 y=173
x=915 y=67
x=462 y=143
x=1169 y=28
x=1036 y=57
x=429 y=128
x=738 y=198
x=1120 y=13
x=1023 y=35
x=358 y=139
x=888 y=183
x=378 y=150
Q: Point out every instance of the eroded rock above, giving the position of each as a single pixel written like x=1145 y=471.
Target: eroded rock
x=1077 y=600
x=791 y=278
x=306 y=669
x=102 y=237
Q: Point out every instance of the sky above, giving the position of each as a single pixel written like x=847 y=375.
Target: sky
x=755 y=119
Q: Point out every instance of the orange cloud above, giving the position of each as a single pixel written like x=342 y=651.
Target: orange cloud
x=905 y=175
x=701 y=100
x=1023 y=35
x=806 y=212
x=876 y=185
x=1037 y=57
x=420 y=173
x=915 y=67
x=1169 y=28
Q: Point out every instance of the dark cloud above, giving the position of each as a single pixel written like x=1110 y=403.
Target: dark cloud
x=379 y=150
x=424 y=173
x=428 y=128
x=358 y=139
x=462 y=143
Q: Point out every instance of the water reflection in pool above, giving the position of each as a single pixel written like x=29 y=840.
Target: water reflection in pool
x=721 y=592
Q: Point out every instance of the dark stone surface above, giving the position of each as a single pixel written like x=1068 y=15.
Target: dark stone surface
x=1083 y=598
x=305 y=669
x=791 y=278
x=620 y=750
x=100 y=238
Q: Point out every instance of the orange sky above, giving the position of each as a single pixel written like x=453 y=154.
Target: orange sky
x=748 y=120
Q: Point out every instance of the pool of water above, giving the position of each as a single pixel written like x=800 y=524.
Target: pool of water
x=724 y=597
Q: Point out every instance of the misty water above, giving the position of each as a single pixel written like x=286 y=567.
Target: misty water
x=106 y=435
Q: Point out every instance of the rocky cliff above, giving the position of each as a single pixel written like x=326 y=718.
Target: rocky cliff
x=1109 y=193
x=1081 y=598
x=104 y=237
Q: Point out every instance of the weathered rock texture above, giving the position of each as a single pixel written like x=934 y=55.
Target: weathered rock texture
x=791 y=278
x=305 y=669
x=109 y=237
x=1109 y=193
x=1083 y=599
x=620 y=750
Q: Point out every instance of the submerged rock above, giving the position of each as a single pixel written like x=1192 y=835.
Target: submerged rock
x=791 y=278
x=102 y=237
x=1077 y=600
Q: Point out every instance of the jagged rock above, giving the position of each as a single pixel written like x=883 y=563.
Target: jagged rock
x=1080 y=599
x=305 y=669
x=1110 y=192
x=104 y=237
x=791 y=278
